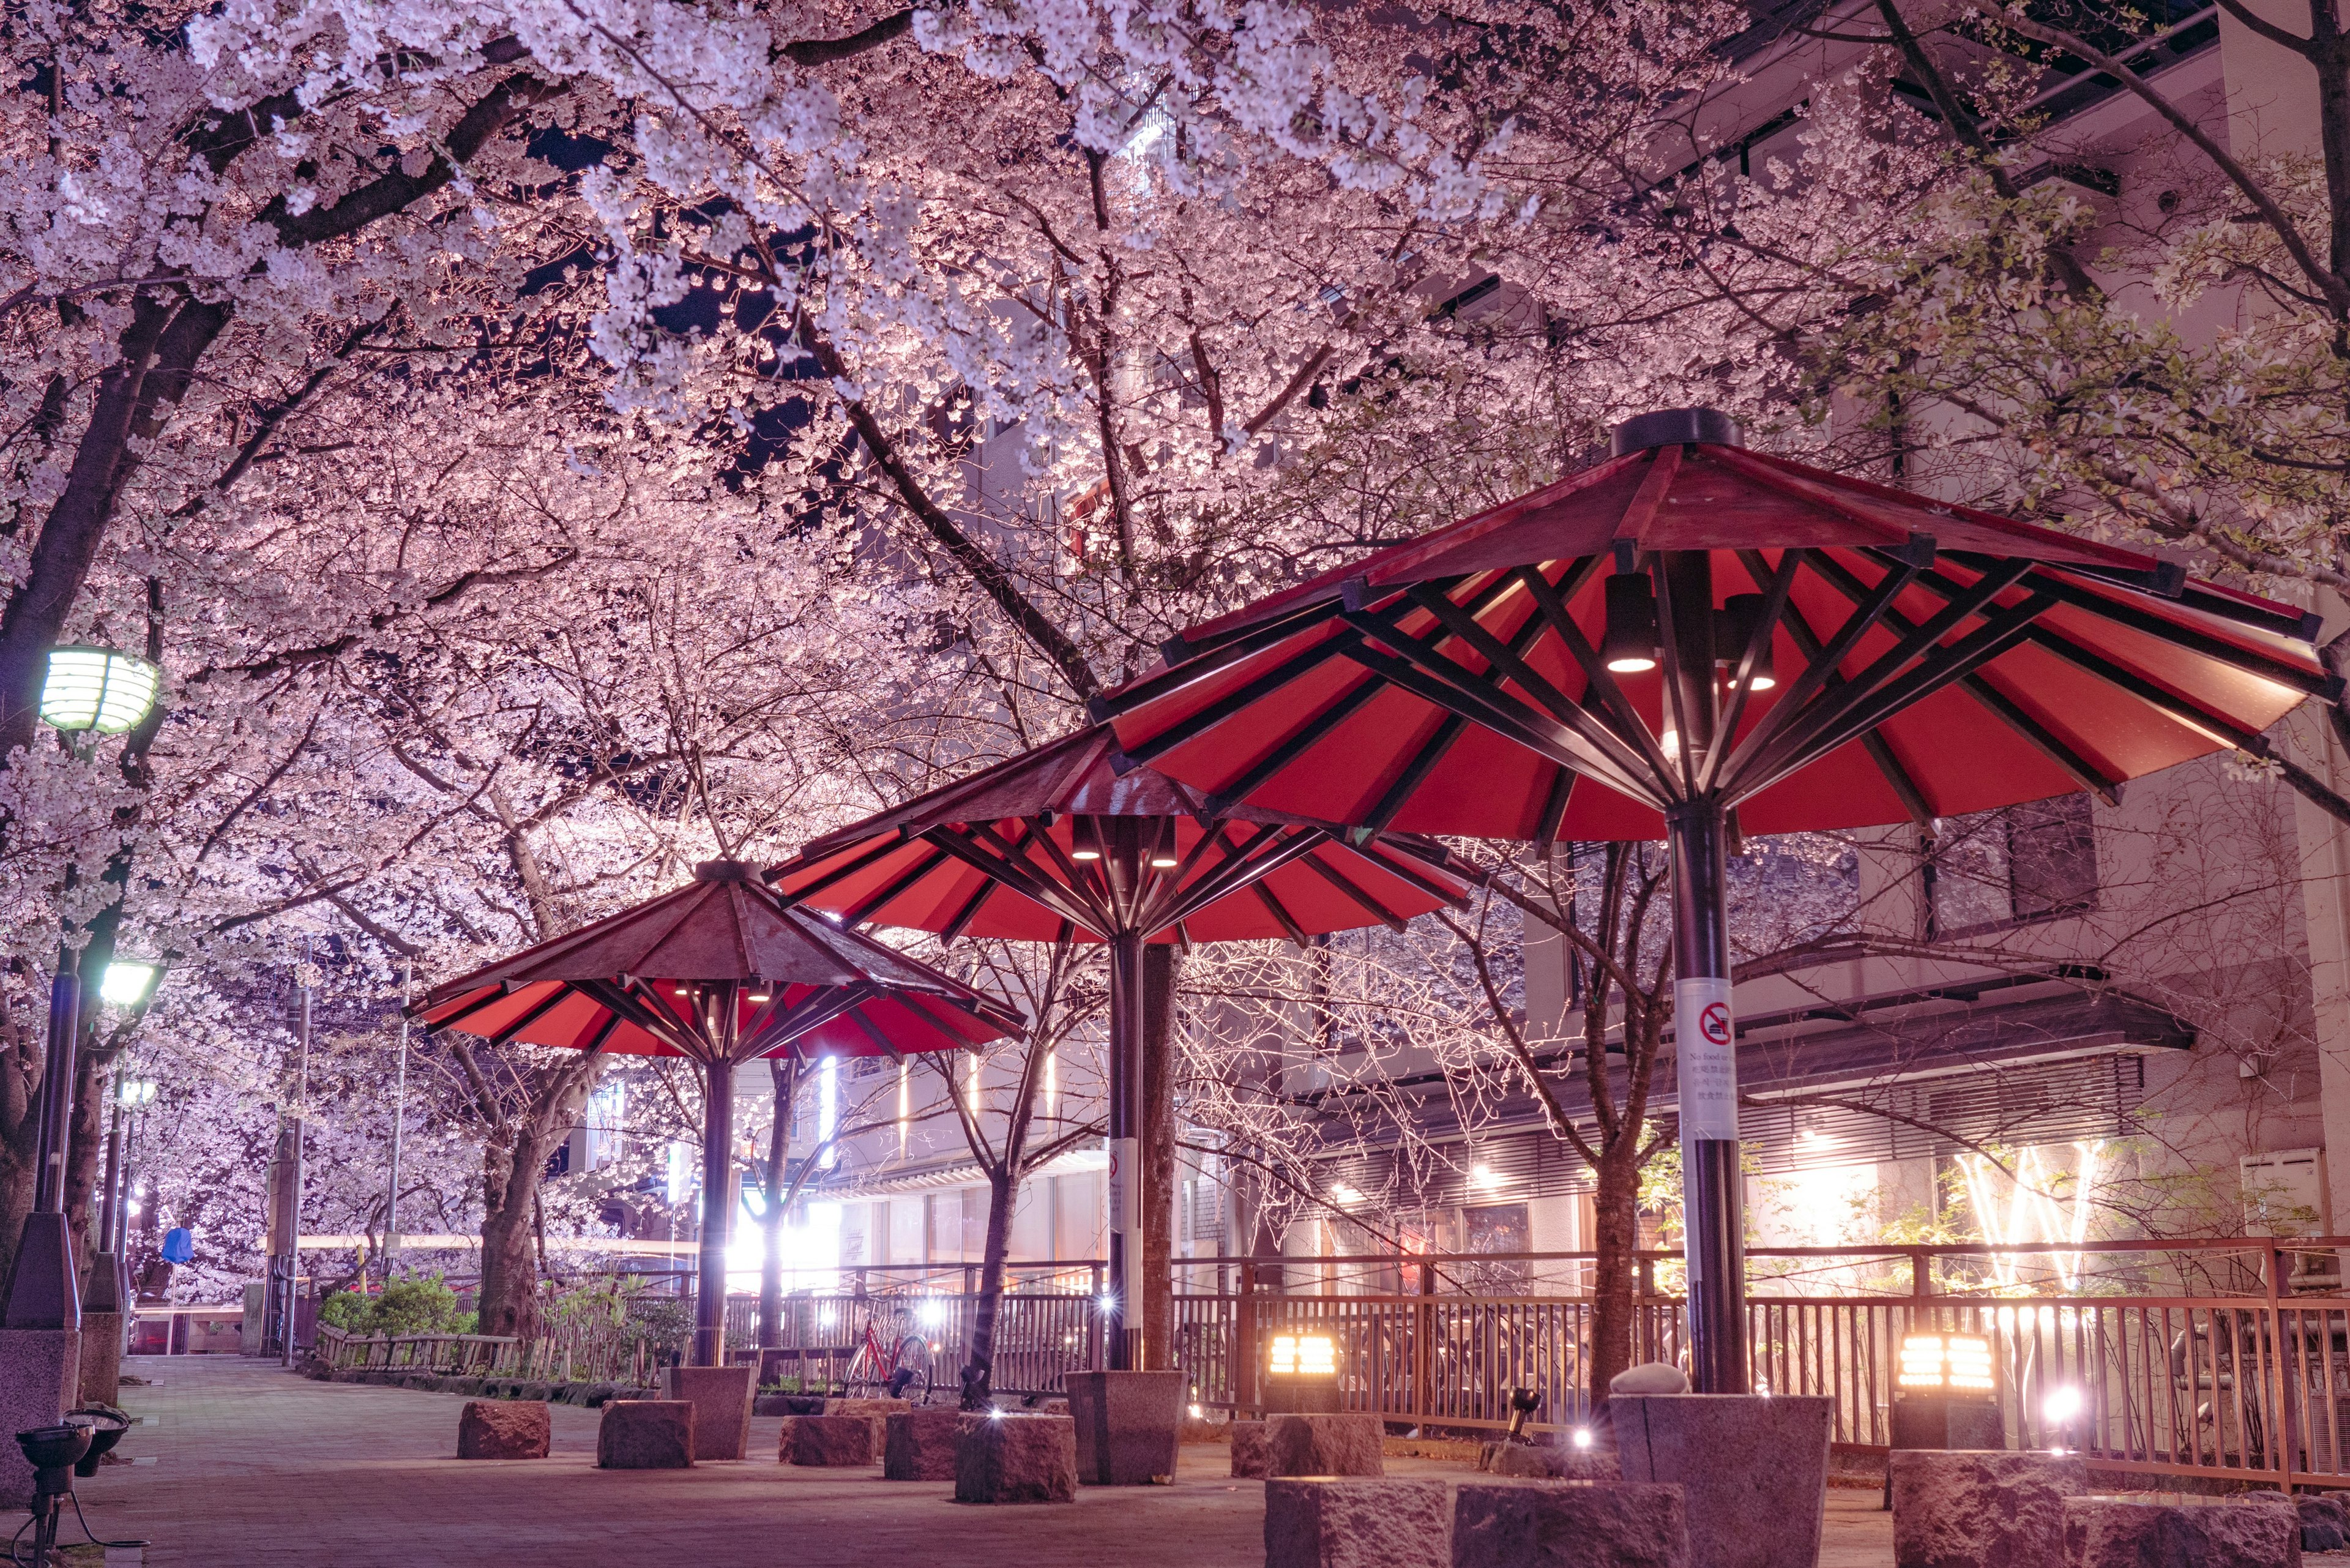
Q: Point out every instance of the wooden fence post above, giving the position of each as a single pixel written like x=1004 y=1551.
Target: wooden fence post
x=1244 y=1357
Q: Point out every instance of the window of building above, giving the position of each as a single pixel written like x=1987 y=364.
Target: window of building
x=2037 y=861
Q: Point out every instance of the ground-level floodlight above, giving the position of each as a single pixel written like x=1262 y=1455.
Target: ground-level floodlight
x=2062 y=1408
x=1946 y=1396
x=1301 y=1374
x=97 y=688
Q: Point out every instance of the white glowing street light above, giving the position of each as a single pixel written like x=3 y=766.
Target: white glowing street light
x=97 y=689
x=128 y=983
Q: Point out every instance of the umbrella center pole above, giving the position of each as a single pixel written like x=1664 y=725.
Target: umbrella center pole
x=717 y=1168
x=1121 y=1295
x=1706 y=1065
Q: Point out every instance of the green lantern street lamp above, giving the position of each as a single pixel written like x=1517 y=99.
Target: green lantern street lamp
x=84 y=692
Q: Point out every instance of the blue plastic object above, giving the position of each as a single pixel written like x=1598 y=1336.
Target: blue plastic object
x=179 y=1246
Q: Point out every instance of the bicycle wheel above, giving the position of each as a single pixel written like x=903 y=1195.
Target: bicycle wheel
x=910 y=1369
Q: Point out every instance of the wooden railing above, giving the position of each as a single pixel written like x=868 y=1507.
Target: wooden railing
x=2176 y=1368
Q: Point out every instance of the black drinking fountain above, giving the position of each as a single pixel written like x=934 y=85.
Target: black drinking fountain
x=57 y=1454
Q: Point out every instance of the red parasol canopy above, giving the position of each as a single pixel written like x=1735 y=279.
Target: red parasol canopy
x=721 y=971
x=1056 y=842
x=642 y=983
x=1952 y=660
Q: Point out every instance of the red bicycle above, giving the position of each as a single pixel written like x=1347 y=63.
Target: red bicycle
x=891 y=1362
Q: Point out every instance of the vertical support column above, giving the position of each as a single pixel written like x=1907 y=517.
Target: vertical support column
x=1706 y=1061
x=1705 y=1040
x=1121 y=1322
x=717 y=1166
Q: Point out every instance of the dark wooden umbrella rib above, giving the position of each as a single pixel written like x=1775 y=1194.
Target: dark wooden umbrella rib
x=1555 y=606
x=1609 y=752
x=1933 y=674
x=1826 y=715
x=2323 y=685
x=1250 y=691
x=1300 y=740
x=1982 y=688
x=529 y=1015
x=1454 y=690
x=1895 y=772
x=1775 y=583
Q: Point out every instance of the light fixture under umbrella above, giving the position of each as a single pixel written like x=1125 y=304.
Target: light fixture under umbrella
x=1070 y=841
x=722 y=972
x=1482 y=679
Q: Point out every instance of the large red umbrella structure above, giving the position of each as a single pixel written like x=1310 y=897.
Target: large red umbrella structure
x=722 y=973
x=1058 y=843
x=1691 y=629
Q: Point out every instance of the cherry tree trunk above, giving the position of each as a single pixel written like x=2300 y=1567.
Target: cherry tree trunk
x=979 y=1372
x=509 y=1293
x=1616 y=1237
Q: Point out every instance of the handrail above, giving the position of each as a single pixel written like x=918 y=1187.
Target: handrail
x=1862 y=1250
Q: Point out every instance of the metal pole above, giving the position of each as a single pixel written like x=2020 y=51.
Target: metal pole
x=1704 y=1037
x=293 y=1253
x=56 y=1084
x=717 y=1165
x=398 y=1123
x=1121 y=1332
x=110 y=1207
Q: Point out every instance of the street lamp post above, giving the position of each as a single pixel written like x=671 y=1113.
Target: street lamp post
x=85 y=693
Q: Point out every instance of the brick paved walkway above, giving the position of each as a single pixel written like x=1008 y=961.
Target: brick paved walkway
x=254 y=1468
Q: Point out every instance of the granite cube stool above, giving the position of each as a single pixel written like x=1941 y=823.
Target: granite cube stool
x=720 y=1397
x=2170 y=1530
x=1017 y=1458
x=877 y=1411
x=645 y=1434
x=1251 y=1458
x=1982 y=1508
x=1752 y=1471
x=1629 y=1524
x=1128 y=1424
x=826 y=1440
x=921 y=1445
x=503 y=1430
x=1326 y=1445
x=1346 y=1522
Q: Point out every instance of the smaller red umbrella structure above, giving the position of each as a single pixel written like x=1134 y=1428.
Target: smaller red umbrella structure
x=720 y=972
x=1073 y=840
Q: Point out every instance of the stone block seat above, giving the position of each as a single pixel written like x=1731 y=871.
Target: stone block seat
x=720 y=1397
x=645 y=1434
x=2174 y=1530
x=1752 y=1471
x=1017 y=1458
x=1349 y=1522
x=826 y=1442
x=874 y=1411
x=1251 y=1459
x=1627 y=1524
x=1326 y=1445
x=504 y=1429
x=921 y=1445
x=1128 y=1424
x=1971 y=1508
